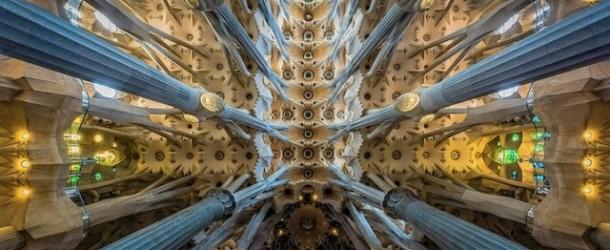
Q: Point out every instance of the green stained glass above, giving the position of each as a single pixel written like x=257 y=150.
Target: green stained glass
x=547 y=134
x=538 y=135
x=536 y=119
x=515 y=137
x=74 y=180
x=98 y=176
x=506 y=156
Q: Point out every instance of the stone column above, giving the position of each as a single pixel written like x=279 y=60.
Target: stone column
x=267 y=10
x=44 y=107
x=393 y=231
x=395 y=14
x=253 y=226
x=177 y=229
x=219 y=13
x=601 y=236
x=568 y=107
x=382 y=184
x=10 y=238
x=364 y=227
x=32 y=34
x=447 y=231
x=578 y=40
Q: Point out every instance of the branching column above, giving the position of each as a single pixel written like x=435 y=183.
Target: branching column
x=395 y=15
x=364 y=227
x=143 y=201
x=388 y=114
x=446 y=230
x=30 y=33
x=252 y=227
x=267 y=11
x=579 y=40
x=174 y=231
x=241 y=117
x=149 y=36
x=345 y=22
x=393 y=231
x=221 y=13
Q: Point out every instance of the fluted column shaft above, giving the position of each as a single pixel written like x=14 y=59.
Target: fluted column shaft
x=10 y=238
x=346 y=20
x=579 y=40
x=29 y=33
x=447 y=231
x=601 y=236
x=388 y=113
x=394 y=232
x=267 y=11
x=364 y=227
x=177 y=229
x=241 y=117
x=372 y=195
x=120 y=18
x=252 y=227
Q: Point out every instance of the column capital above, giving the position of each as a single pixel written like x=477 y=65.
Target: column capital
x=226 y=198
x=407 y=102
x=410 y=104
x=448 y=231
x=211 y=104
x=394 y=197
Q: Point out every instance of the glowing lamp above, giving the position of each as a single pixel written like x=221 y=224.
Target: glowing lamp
x=24 y=136
x=587 y=163
x=24 y=192
x=25 y=164
x=588 y=190
x=98 y=138
x=588 y=135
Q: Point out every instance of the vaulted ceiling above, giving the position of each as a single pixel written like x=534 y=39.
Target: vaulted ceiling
x=304 y=124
